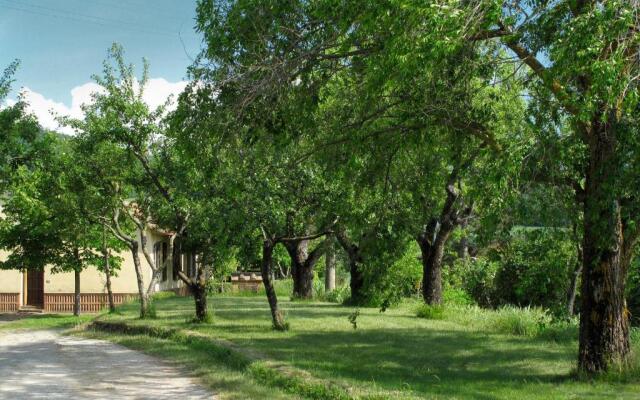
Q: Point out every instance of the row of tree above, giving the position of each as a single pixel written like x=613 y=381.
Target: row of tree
x=374 y=124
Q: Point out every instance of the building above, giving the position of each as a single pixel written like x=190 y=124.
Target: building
x=55 y=292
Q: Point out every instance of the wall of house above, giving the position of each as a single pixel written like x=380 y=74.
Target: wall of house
x=169 y=283
x=10 y=281
x=91 y=280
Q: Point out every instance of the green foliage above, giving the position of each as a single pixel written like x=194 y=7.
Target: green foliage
x=476 y=276
x=633 y=292
x=532 y=267
x=457 y=297
x=535 y=269
x=338 y=295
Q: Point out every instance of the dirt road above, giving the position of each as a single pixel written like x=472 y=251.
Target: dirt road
x=43 y=364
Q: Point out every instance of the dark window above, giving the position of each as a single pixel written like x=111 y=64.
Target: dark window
x=191 y=265
x=177 y=260
x=163 y=265
x=160 y=254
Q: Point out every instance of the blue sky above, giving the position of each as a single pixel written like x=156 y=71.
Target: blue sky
x=61 y=43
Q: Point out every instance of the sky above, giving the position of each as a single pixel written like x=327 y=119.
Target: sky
x=61 y=43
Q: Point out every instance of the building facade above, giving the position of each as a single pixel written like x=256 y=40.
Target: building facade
x=54 y=292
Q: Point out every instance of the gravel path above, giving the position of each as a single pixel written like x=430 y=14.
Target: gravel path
x=45 y=365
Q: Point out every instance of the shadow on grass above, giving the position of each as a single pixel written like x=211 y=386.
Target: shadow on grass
x=393 y=351
x=420 y=359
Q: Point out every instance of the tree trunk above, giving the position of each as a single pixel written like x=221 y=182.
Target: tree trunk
x=199 y=290
x=356 y=283
x=432 y=246
x=302 y=266
x=144 y=299
x=267 y=279
x=200 y=298
x=298 y=253
x=573 y=289
x=330 y=267
x=107 y=274
x=76 y=297
x=604 y=319
x=463 y=246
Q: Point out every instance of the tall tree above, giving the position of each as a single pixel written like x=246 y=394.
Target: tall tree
x=589 y=69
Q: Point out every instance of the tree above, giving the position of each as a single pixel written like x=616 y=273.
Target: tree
x=371 y=91
x=20 y=133
x=120 y=117
x=45 y=223
x=591 y=75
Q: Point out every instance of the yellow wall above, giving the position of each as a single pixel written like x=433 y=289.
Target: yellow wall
x=10 y=281
x=92 y=281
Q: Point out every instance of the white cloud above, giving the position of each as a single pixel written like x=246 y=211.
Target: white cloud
x=46 y=109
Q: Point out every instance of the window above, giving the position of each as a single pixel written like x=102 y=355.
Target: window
x=160 y=255
x=177 y=260
x=191 y=264
x=164 y=258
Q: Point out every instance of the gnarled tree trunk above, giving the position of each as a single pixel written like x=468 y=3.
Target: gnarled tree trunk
x=432 y=244
x=604 y=319
x=298 y=253
x=433 y=238
x=302 y=266
x=356 y=282
x=198 y=288
x=199 y=291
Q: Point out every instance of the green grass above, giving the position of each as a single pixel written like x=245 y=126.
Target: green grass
x=46 y=321
x=397 y=355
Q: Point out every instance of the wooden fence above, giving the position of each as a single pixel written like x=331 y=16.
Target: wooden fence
x=89 y=302
x=9 y=302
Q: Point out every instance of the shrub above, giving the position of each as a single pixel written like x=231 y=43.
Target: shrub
x=458 y=297
x=633 y=292
x=338 y=295
x=427 y=311
x=535 y=270
x=476 y=277
x=392 y=276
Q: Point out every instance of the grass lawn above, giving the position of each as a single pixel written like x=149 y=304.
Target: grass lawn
x=390 y=355
x=11 y=322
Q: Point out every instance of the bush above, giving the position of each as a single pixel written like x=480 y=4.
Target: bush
x=535 y=269
x=389 y=279
x=427 y=311
x=458 y=297
x=476 y=277
x=338 y=295
x=633 y=292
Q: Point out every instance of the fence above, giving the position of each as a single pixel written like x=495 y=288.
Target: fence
x=89 y=302
x=9 y=302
